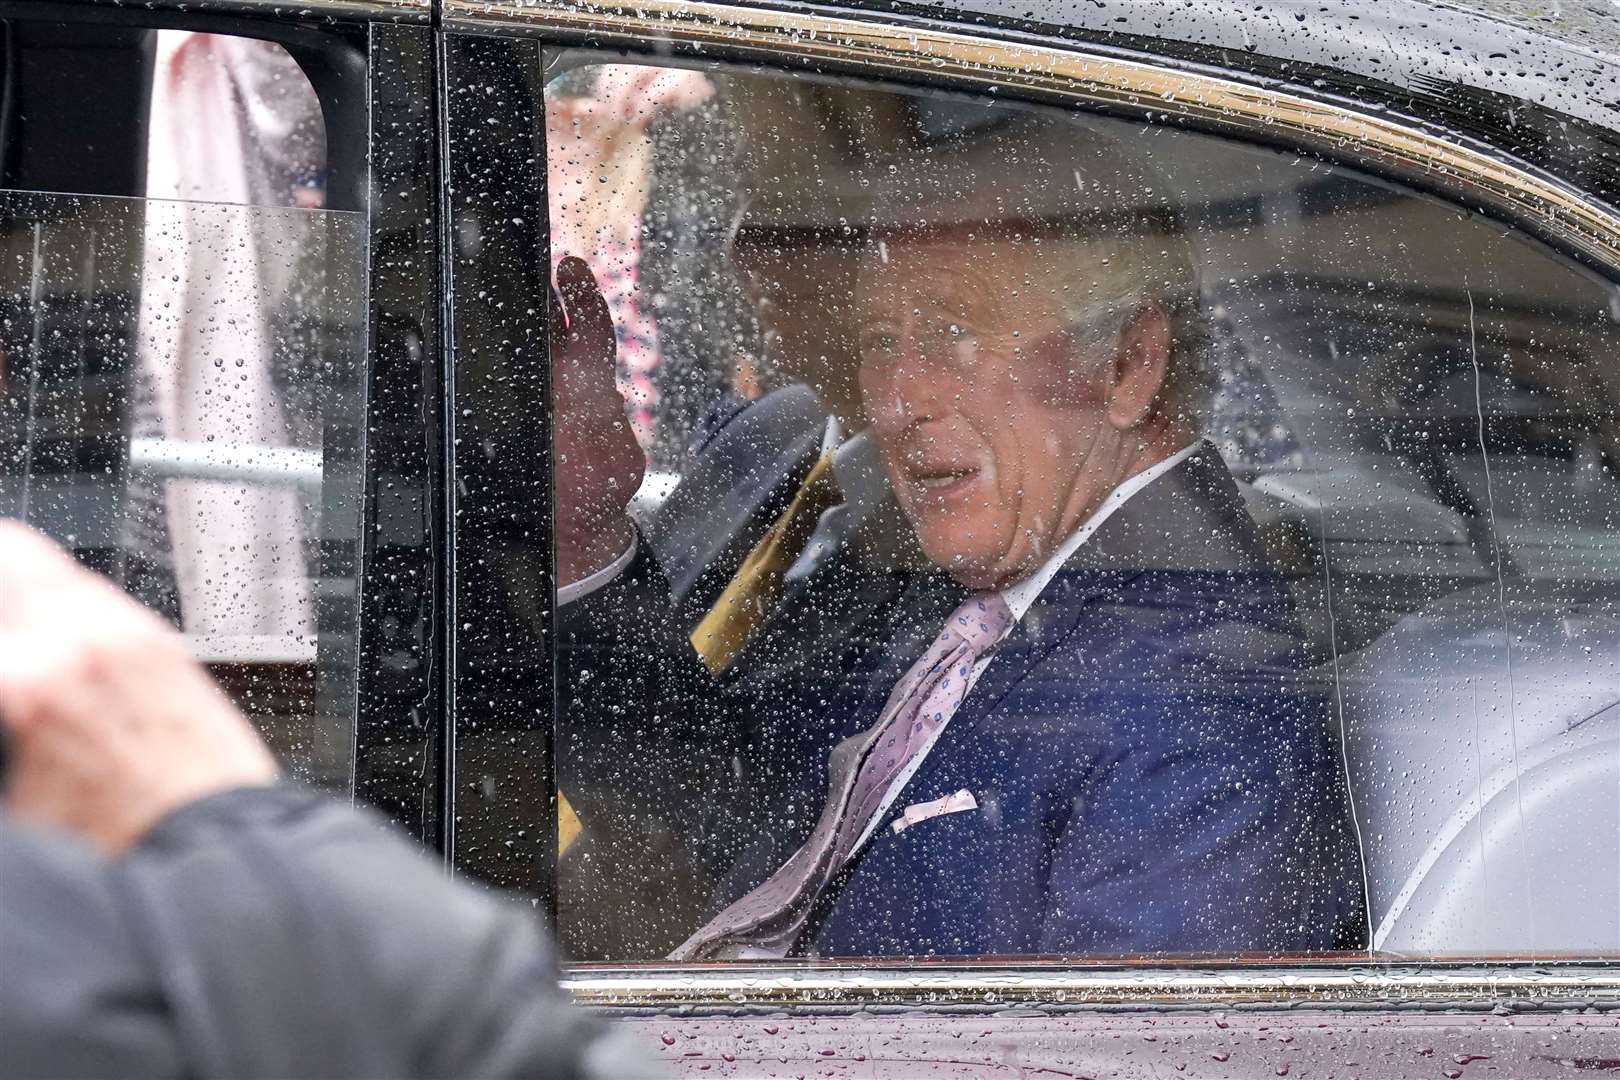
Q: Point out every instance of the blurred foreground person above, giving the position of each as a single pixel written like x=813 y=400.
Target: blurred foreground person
x=170 y=909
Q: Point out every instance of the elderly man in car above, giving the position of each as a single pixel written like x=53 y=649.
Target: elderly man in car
x=1078 y=721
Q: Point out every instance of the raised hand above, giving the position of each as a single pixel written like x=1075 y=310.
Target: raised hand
x=598 y=464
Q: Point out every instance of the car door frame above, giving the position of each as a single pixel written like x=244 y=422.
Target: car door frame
x=373 y=64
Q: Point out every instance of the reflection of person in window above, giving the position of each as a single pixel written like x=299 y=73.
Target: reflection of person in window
x=1083 y=727
x=234 y=124
x=599 y=169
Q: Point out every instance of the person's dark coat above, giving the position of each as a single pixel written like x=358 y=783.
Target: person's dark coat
x=742 y=469
x=1153 y=771
x=275 y=933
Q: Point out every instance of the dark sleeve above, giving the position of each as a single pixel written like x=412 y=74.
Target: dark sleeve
x=642 y=758
x=1217 y=818
x=76 y=997
x=1213 y=845
x=294 y=936
x=632 y=729
x=740 y=474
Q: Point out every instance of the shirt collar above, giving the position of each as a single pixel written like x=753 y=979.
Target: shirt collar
x=1020 y=595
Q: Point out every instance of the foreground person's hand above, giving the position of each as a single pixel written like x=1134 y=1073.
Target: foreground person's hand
x=111 y=724
x=599 y=464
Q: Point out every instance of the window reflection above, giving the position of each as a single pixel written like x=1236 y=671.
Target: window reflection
x=179 y=374
x=1095 y=540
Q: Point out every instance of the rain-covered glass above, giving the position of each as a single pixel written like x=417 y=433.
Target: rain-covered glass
x=179 y=387
x=984 y=530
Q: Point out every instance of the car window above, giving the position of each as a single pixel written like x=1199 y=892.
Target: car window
x=180 y=318
x=990 y=530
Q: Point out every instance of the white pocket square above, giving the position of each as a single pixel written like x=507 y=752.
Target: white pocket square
x=950 y=804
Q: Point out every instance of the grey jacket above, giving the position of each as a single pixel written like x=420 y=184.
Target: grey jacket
x=275 y=933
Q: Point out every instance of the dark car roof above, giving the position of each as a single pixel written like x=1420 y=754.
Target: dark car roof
x=1545 y=90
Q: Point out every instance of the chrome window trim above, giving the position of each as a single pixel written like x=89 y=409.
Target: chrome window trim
x=1557 y=212
x=1054 y=985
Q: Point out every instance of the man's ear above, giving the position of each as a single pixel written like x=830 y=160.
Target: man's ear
x=1140 y=367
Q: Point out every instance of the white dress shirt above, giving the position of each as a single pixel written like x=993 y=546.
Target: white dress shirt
x=1020 y=595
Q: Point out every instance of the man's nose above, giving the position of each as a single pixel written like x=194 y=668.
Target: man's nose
x=915 y=384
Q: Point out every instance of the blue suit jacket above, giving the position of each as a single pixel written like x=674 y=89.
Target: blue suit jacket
x=1153 y=770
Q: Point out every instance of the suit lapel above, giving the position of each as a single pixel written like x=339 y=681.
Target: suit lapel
x=1056 y=614
x=1198 y=495
x=918 y=614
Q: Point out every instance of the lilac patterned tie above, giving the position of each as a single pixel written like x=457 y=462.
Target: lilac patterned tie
x=861 y=770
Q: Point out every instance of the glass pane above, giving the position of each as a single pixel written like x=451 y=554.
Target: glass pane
x=1060 y=535
x=181 y=384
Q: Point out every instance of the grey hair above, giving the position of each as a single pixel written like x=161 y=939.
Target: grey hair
x=1144 y=270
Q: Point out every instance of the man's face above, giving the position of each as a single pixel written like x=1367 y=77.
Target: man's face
x=989 y=416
